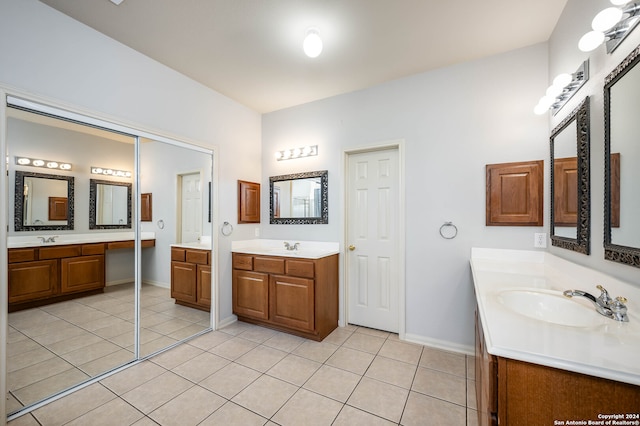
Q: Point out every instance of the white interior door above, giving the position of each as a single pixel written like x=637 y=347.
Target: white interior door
x=191 y=207
x=373 y=198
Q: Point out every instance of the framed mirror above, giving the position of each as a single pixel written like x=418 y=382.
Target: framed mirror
x=43 y=202
x=570 y=190
x=300 y=198
x=622 y=156
x=109 y=204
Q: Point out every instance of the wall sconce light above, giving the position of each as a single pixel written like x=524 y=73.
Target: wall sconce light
x=46 y=164
x=312 y=44
x=290 y=154
x=563 y=88
x=611 y=26
x=110 y=172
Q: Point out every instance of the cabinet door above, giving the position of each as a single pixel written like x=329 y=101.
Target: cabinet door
x=203 y=290
x=486 y=381
x=183 y=281
x=81 y=273
x=291 y=302
x=251 y=294
x=32 y=280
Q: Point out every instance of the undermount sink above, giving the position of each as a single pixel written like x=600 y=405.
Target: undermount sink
x=551 y=306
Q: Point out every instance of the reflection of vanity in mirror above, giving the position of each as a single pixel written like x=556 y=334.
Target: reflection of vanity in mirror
x=570 y=193
x=109 y=204
x=300 y=198
x=43 y=201
x=622 y=156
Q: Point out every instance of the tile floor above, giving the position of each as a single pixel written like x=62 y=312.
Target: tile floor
x=250 y=375
x=53 y=347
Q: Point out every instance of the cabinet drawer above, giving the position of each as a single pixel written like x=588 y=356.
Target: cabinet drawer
x=272 y=265
x=21 y=255
x=199 y=257
x=59 y=252
x=90 y=249
x=300 y=268
x=178 y=254
x=243 y=261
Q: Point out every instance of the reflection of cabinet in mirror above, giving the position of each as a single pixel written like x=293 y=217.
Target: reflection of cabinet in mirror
x=248 y=202
x=565 y=191
x=191 y=277
x=58 y=208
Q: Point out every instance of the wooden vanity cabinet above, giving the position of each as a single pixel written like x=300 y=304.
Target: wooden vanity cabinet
x=42 y=275
x=299 y=296
x=191 y=277
x=511 y=392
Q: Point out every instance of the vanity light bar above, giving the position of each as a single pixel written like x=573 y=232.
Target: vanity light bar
x=110 y=172
x=290 y=154
x=46 y=164
x=563 y=88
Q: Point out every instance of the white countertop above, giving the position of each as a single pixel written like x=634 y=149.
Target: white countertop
x=306 y=249
x=607 y=349
x=203 y=244
x=63 y=239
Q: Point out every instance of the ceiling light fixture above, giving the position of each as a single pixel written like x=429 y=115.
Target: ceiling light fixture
x=611 y=26
x=312 y=44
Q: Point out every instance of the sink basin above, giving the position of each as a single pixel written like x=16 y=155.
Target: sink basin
x=551 y=306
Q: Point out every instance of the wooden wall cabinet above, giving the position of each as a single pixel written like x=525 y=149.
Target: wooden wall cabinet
x=146 y=207
x=191 y=277
x=515 y=393
x=298 y=296
x=248 y=202
x=515 y=194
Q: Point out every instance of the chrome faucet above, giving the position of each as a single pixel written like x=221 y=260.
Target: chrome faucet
x=290 y=246
x=604 y=304
x=51 y=239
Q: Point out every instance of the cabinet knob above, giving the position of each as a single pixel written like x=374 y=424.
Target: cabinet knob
x=352 y=247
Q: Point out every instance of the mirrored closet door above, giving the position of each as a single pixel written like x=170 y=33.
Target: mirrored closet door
x=98 y=214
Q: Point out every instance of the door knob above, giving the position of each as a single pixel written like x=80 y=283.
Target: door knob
x=352 y=247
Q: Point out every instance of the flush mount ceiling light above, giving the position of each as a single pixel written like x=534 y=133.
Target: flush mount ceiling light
x=47 y=164
x=563 y=88
x=312 y=44
x=611 y=26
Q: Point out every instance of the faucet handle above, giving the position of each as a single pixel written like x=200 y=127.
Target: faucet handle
x=621 y=299
x=604 y=297
x=619 y=309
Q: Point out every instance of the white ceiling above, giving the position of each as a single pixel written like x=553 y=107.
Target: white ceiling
x=251 y=50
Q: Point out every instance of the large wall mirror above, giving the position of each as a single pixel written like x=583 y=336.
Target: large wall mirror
x=570 y=193
x=300 y=198
x=43 y=202
x=622 y=156
x=109 y=204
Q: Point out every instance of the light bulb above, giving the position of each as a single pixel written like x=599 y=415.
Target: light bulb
x=278 y=155
x=554 y=91
x=540 y=109
x=65 y=166
x=606 y=19
x=287 y=154
x=306 y=150
x=562 y=80
x=590 y=41
x=52 y=165
x=312 y=44
x=38 y=163
x=23 y=161
x=619 y=2
x=296 y=152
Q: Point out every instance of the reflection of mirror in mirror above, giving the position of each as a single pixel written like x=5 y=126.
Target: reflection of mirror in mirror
x=297 y=198
x=624 y=131
x=109 y=204
x=300 y=198
x=43 y=201
x=570 y=192
x=565 y=182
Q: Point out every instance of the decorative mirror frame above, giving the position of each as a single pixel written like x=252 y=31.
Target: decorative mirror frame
x=93 y=184
x=324 y=199
x=614 y=252
x=19 y=202
x=581 y=243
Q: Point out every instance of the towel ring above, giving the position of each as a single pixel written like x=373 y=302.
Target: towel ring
x=448 y=231
x=226 y=229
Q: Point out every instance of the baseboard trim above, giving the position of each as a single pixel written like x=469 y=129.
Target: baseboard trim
x=439 y=344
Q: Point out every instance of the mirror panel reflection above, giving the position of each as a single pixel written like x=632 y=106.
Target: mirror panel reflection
x=71 y=301
x=299 y=198
x=570 y=192
x=622 y=156
x=43 y=201
x=109 y=204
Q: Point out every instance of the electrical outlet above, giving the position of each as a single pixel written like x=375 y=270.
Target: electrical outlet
x=256 y=232
x=540 y=240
